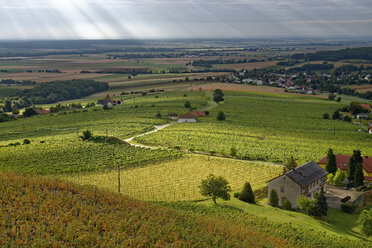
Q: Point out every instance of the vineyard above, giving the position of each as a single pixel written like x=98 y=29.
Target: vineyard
x=178 y=179
x=36 y=212
x=265 y=127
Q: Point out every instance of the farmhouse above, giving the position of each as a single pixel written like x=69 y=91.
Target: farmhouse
x=306 y=180
x=198 y=113
x=362 y=116
x=366 y=106
x=370 y=130
x=172 y=116
x=342 y=162
x=42 y=111
x=187 y=118
x=109 y=103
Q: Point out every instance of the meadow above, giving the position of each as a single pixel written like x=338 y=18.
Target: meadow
x=265 y=127
x=178 y=179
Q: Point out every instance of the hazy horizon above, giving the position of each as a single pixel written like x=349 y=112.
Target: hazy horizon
x=166 y=19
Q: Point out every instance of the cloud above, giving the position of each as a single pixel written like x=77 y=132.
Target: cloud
x=187 y=18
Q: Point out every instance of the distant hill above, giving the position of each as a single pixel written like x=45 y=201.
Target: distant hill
x=349 y=53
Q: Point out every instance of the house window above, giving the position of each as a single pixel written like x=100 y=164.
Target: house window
x=282 y=189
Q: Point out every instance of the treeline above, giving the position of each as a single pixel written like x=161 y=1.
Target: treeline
x=11 y=81
x=312 y=67
x=288 y=63
x=349 y=53
x=209 y=63
x=56 y=91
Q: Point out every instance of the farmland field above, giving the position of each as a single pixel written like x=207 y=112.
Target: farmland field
x=267 y=126
x=178 y=179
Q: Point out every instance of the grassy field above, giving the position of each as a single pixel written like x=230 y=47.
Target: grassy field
x=178 y=179
x=267 y=126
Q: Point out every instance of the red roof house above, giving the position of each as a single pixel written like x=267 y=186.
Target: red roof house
x=42 y=111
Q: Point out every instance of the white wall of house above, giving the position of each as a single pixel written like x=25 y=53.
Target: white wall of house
x=186 y=120
x=286 y=188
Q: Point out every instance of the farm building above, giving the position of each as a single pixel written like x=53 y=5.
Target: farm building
x=306 y=180
x=198 y=113
x=42 y=111
x=187 y=118
x=172 y=116
x=370 y=130
x=342 y=162
x=362 y=116
x=366 y=106
x=110 y=103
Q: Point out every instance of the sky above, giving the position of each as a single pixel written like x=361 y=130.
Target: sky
x=114 y=19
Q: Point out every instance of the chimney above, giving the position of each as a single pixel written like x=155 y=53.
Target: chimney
x=294 y=165
x=283 y=170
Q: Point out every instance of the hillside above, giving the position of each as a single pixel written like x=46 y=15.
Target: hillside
x=43 y=213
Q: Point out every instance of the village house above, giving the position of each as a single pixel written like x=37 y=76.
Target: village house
x=187 y=118
x=42 y=111
x=198 y=113
x=361 y=116
x=109 y=103
x=305 y=180
x=366 y=106
x=342 y=162
x=172 y=116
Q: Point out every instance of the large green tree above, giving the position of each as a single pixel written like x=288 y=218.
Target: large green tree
x=321 y=203
x=354 y=160
x=331 y=165
x=247 y=194
x=359 y=176
x=216 y=187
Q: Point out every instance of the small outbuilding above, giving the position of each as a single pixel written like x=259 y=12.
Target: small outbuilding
x=187 y=118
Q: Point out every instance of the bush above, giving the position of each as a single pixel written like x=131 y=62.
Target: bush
x=326 y=116
x=187 y=104
x=274 y=201
x=158 y=115
x=287 y=205
x=247 y=193
x=348 y=208
x=236 y=194
x=26 y=141
x=86 y=135
x=347 y=118
x=221 y=116
x=232 y=151
x=330 y=178
x=339 y=178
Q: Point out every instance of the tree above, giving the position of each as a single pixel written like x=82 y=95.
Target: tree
x=306 y=204
x=331 y=96
x=187 y=104
x=7 y=106
x=355 y=108
x=15 y=111
x=326 y=116
x=106 y=107
x=221 y=116
x=216 y=187
x=356 y=158
x=338 y=99
x=29 y=112
x=232 y=151
x=339 y=178
x=330 y=178
x=336 y=115
x=365 y=220
x=321 y=203
x=359 y=176
x=158 y=115
x=247 y=194
x=287 y=205
x=290 y=164
x=274 y=200
x=218 y=96
x=331 y=165
x=86 y=135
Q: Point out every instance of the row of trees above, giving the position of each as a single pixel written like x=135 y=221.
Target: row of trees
x=355 y=174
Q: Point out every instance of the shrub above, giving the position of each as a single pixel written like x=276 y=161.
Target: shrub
x=158 y=115
x=348 y=208
x=339 y=178
x=274 y=201
x=26 y=141
x=232 y=151
x=221 y=116
x=86 y=135
x=325 y=116
x=347 y=118
x=187 y=104
x=365 y=220
x=247 y=193
x=338 y=99
x=287 y=205
x=237 y=194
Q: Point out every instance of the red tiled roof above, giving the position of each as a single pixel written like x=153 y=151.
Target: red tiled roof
x=42 y=111
x=198 y=113
x=188 y=116
x=365 y=106
x=342 y=162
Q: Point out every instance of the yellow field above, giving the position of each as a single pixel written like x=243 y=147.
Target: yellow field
x=179 y=179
